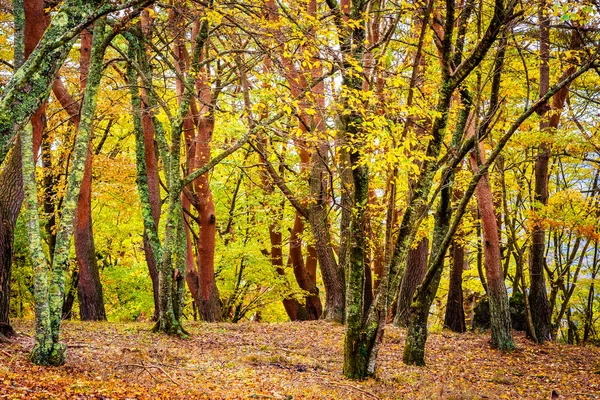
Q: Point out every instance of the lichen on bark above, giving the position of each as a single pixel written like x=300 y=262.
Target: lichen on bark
x=49 y=284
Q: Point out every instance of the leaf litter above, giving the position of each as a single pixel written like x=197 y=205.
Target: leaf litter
x=294 y=360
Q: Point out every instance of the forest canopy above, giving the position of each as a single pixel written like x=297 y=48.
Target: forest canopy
x=431 y=164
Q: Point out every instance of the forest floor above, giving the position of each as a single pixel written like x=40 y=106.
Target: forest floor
x=286 y=361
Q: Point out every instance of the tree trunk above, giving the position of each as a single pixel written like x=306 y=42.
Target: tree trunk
x=208 y=301
x=50 y=285
x=150 y=125
x=499 y=307
x=454 y=318
x=306 y=282
x=538 y=297
x=30 y=22
x=166 y=321
x=416 y=267
x=153 y=182
x=541 y=310
x=333 y=276
x=89 y=288
x=418 y=313
x=356 y=349
x=293 y=308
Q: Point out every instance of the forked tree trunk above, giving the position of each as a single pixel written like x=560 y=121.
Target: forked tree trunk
x=306 y=282
x=416 y=260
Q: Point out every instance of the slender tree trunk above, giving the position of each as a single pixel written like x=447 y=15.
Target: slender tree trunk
x=30 y=22
x=89 y=288
x=541 y=309
x=67 y=310
x=149 y=126
x=498 y=296
x=293 y=308
x=538 y=297
x=50 y=285
x=589 y=308
x=333 y=276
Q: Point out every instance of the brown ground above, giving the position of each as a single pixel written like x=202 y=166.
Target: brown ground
x=286 y=361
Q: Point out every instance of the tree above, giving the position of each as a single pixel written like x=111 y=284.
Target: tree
x=49 y=283
x=29 y=25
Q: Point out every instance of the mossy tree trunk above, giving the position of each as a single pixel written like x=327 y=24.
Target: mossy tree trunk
x=89 y=288
x=418 y=312
x=152 y=128
x=360 y=336
x=50 y=285
x=167 y=321
x=452 y=78
x=45 y=351
x=173 y=252
x=30 y=22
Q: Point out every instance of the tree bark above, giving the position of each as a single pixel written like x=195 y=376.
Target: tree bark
x=31 y=18
x=306 y=282
x=416 y=267
x=538 y=297
x=541 y=309
x=150 y=125
x=499 y=307
x=454 y=318
x=50 y=285
x=89 y=288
